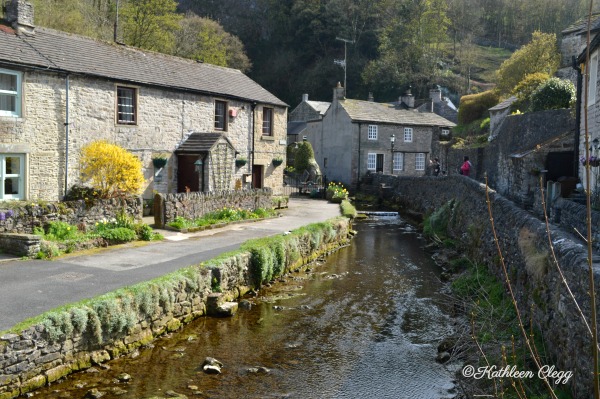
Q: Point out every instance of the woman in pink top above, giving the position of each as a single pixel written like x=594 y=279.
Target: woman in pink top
x=465 y=169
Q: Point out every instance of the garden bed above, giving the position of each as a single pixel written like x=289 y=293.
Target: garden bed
x=216 y=225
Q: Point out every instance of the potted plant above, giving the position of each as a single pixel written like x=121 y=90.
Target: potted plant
x=239 y=162
x=159 y=162
x=277 y=161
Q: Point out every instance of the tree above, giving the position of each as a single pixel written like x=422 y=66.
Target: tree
x=539 y=55
x=525 y=89
x=111 y=169
x=150 y=24
x=205 y=40
x=555 y=93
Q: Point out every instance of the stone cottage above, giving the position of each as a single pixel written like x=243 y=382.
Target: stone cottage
x=356 y=138
x=59 y=91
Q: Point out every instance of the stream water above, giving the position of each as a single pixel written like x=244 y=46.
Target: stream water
x=364 y=324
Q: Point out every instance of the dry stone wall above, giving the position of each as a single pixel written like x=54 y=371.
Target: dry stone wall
x=522 y=237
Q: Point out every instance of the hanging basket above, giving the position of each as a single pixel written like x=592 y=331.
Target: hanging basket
x=159 y=162
x=240 y=162
x=277 y=162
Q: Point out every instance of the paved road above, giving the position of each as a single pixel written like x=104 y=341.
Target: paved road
x=31 y=287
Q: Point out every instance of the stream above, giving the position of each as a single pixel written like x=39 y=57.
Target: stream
x=365 y=323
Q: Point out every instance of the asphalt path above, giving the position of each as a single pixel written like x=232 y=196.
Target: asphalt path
x=29 y=288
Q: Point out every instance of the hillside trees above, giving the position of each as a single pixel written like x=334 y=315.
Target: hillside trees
x=150 y=24
x=205 y=40
x=539 y=55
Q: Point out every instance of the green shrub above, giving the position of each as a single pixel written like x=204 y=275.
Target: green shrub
x=555 y=93
x=525 y=89
x=118 y=235
x=302 y=156
x=476 y=106
x=61 y=231
x=348 y=210
x=144 y=232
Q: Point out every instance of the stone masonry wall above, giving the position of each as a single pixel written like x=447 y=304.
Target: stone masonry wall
x=195 y=205
x=31 y=358
x=521 y=237
x=17 y=224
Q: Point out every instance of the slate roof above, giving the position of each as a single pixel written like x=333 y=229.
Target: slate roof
x=199 y=143
x=320 y=106
x=295 y=128
x=64 y=52
x=392 y=113
x=580 y=26
x=504 y=104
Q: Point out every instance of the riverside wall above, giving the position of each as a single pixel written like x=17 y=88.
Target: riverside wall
x=104 y=328
x=523 y=239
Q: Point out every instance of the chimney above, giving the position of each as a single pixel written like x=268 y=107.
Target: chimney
x=338 y=92
x=435 y=95
x=19 y=14
x=304 y=98
x=408 y=99
x=371 y=98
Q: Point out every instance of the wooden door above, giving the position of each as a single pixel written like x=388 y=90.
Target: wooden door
x=379 y=164
x=257 y=176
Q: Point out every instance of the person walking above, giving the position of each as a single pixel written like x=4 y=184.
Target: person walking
x=466 y=167
x=435 y=166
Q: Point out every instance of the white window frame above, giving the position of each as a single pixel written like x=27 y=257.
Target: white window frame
x=371 y=161
x=408 y=134
x=372 y=132
x=17 y=94
x=20 y=176
x=593 y=79
x=398 y=161
x=445 y=132
x=420 y=161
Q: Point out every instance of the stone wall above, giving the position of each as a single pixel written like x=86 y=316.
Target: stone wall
x=195 y=205
x=48 y=351
x=17 y=223
x=522 y=238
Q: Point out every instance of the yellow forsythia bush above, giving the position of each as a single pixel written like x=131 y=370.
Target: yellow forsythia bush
x=111 y=169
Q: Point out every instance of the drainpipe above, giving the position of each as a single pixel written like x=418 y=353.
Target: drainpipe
x=253 y=133
x=67 y=135
x=358 y=169
x=577 y=117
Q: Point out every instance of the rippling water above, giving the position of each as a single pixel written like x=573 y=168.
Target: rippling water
x=365 y=324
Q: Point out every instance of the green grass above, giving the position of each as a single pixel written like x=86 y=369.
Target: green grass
x=224 y=215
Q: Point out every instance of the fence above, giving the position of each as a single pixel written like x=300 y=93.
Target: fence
x=303 y=184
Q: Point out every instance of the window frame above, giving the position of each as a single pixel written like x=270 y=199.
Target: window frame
x=593 y=79
x=420 y=159
x=408 y=134
x=20 y=175
x=218 y=126
x=398 y=161
x=268 y=113
x=372 y=132
x=372 y=161
x=17 y=94
x=134 y=105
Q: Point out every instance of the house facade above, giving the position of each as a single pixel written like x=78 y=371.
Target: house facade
x=356 y=138
x=59 y=92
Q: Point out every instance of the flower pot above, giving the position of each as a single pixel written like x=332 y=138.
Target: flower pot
x=277 y=162
x=240 y=162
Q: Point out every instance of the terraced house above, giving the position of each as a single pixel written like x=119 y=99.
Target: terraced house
x=187 y=121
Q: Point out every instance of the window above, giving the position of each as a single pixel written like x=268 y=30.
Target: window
x=398 y=161
x=220 y=115
x=593 y=79
x=372 y=132
x=420 y=162
x=11 y=173
x=371 y=161
x=267 y=122
x=408 y=134
x=10 y=93
x=445 y=132
x=126 y=105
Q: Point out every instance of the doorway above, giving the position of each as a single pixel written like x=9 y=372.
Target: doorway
x=257 y=176
x=187 y=177
x=379 y=163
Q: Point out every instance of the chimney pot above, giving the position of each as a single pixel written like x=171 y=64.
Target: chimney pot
x=304 y=98
x=371 y=98
x=338 y=92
